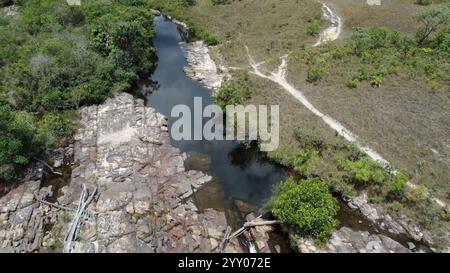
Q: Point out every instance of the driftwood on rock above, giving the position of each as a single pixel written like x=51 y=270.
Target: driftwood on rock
x=48 y=167
x=90 y=212
x=80 y=214
x=247 y=225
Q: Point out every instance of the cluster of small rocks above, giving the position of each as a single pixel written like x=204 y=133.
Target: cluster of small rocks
x=63 y=155
x=376 y=214
x=22 y=218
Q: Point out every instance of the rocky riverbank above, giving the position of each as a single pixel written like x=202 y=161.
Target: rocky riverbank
x=143 y=202
x=200 y=66
x=346 y=240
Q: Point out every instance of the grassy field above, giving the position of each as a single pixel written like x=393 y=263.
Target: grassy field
x=406 y=119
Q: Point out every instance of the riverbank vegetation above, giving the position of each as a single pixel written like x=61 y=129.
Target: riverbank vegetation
x=381 y=80
x=55 y=58
x=306 y=206
x=235 y=92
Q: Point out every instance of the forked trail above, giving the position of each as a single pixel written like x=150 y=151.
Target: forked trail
x=280 y=77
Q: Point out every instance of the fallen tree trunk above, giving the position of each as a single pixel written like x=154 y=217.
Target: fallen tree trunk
x=247 y=225
x=80 y=214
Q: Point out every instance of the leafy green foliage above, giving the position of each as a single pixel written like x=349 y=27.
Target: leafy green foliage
x=431 y=20
x=397 y=185
x=313 y=28
x=306 y=206
x=54 y=127
x=17 y=137
x=221 y=2
x=314 y=74
x=424 y=2
x=302 y=161
x=55 y=58
x=417 y=194
x=308 y=138
x=177 y=9
x=365 y=172
x=373 y=55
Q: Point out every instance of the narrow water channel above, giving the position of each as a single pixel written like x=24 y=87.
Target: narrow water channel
x=243 y=177
x=240 y=173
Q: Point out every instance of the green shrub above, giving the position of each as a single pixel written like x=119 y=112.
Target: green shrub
x=221 y=2
x=308 y=138
x=307 y=207
x=314 y=74
x=302 y=161
x=417 y=194
x=376 y=80
x=397 y=185
x=431 y=19
x=55 y=128
x=313 y=28
x=352 y=83
x=17 y=141
x=365 y=172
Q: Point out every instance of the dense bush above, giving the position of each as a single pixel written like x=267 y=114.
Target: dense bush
x=235 y=92
x=397 y=185
x=313 y=28
x=308 y=138
x=417 y=194
x=374 y=54
x=17 y=138
x=314 y=74
x=306 y=206
x=303 y=161
x=365 y=171
x=431 y=20
x=423 y=2
x=55 y=58
x=177 y=9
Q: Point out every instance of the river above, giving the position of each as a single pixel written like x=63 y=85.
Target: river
x=243 y=177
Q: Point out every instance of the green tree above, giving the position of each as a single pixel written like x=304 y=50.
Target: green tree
x=307 y=206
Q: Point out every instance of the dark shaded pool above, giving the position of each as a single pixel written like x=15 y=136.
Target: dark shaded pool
x=240 y=172
x=242 y=176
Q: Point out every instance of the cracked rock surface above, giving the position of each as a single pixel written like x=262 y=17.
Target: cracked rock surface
x=144 y=193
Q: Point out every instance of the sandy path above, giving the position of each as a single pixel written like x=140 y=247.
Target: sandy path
x=279 y=77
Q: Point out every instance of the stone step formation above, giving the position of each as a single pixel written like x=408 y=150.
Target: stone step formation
x=144 y=192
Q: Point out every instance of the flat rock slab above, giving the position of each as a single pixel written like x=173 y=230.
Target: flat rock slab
x=143 y=204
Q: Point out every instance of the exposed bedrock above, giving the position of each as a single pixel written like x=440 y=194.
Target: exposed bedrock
x=144 y=193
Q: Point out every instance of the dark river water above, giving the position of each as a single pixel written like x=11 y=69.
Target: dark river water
x=243 y=177
x=239 y=172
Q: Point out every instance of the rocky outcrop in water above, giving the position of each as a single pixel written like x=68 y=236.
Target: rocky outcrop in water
x=346 y=240
x=144 y=193
x=200 y=66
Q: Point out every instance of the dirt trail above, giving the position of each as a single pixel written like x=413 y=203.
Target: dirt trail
x=332 y=32
x=280 y=77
